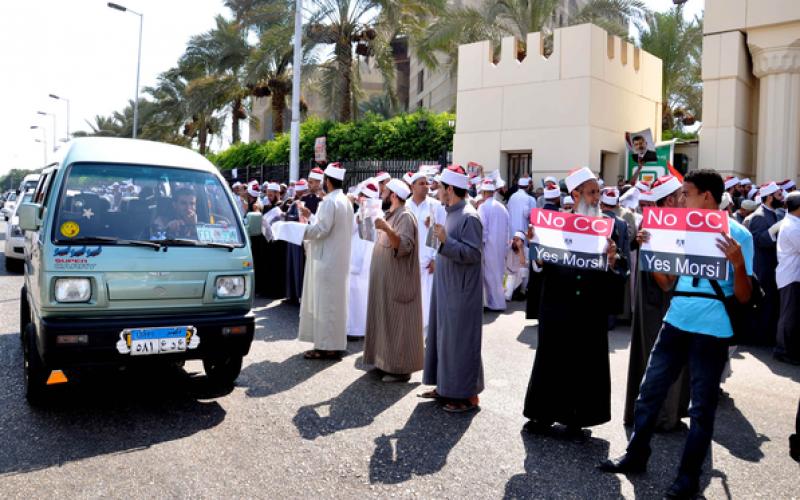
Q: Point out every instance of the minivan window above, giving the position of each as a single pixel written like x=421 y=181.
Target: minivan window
x=118 y=203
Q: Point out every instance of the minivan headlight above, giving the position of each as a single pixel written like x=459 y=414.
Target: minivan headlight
x=73 y=290
x=230 y=286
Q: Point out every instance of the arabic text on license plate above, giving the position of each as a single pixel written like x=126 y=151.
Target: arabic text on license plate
x=157 y=340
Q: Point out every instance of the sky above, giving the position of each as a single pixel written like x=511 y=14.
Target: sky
x=86 y=52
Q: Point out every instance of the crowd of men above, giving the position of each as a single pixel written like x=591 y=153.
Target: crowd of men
x=411 y=264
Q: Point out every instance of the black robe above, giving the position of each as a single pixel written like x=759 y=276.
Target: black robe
x=273 y=282
x=296 y=254
x=571 y=379
x=535 y=282
x=650 y=307
x=765 y=261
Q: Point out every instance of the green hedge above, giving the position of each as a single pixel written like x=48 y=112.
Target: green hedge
x=408 y=136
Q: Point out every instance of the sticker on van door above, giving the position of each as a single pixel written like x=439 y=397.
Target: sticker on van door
x=70 y=229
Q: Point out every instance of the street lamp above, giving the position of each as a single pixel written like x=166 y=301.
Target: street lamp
x=53 y=96
x=43 y=141
x=294 y=143
x=120 y=8
x=53 y=116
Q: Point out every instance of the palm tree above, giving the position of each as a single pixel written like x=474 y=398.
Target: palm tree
x=678 y=44
x=379 y=105
x=224 y=51
x=361 y=29
x=494 y=19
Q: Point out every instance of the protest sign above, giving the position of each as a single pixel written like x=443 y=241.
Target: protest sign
x=321 y=149
x=652 y=160
x=684 y=242
x=570 y=239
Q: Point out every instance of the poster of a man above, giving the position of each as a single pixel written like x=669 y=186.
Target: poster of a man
x=641 y=146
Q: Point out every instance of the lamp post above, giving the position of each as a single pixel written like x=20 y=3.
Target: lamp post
x=53 y=96
x=53 y=116
x=119 y=7
x=43 y=140
x=294 y=151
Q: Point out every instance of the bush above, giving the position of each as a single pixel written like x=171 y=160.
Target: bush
x=417 y=135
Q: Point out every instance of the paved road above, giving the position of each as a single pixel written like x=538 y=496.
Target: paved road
x=292 y=428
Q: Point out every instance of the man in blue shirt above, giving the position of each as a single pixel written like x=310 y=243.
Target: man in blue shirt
x=696 y=331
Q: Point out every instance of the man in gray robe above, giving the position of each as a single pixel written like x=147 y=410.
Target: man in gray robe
x=453 y=349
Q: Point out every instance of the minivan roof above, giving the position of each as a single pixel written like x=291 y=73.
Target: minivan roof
x=132 y=151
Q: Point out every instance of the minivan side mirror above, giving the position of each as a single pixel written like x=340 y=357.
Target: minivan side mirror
x=253 y=222
x=28 y=214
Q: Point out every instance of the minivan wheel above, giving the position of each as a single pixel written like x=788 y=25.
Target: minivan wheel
x=223 y=371
x=34 y=369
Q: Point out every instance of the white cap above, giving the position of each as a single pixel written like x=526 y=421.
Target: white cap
x=455 y=179
x=788 y=184
x=665 y=186
x=752 y=193
x=731 y=181
x=550 y=193
x=577 y=177
x=476 y=180
x=273 y=186
x=642 y=186
x=601 y=182
x=768 y=189
x=399 y=188
x=335 y=171
x=726 y=200
x=236 y=185
x=749 y=205
x=412 y=177
x=488 y=185
x=301 y=185
x=630 y=199
x=745 y=181
x=316 y=174
x=647 y=196
x=524 y=181
x=567 y=200
x=610 y=197
x=253 y=189
x=369 y=188
x=520 y=235
x=382 y=176
x=550 y=178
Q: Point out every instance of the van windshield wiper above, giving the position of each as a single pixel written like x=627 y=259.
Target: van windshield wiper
x=111 y=240
x=195 y=243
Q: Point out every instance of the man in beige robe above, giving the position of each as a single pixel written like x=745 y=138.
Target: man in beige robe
x=394 y=342
x=323 y=306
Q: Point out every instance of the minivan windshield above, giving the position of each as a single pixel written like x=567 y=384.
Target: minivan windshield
x=126 y=204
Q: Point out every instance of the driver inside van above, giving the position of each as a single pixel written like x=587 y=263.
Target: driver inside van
x=181 y=222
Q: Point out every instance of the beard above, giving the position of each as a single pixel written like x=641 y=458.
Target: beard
x=584 y=208
x=776 y=203
x=386 y=204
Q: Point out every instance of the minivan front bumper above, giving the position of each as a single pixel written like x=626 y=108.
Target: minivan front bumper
x=102 y=335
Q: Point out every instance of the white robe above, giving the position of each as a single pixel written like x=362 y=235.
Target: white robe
x=495 y=219
x=323 y=307
x=360 y=263
x=519 y=212
x=426 y=253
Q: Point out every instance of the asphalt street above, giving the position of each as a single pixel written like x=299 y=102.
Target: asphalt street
x=293 y=428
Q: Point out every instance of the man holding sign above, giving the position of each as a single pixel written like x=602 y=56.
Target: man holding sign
x=571 y=383
x=696 y=330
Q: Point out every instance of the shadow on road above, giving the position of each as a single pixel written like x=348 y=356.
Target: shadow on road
x=104 y=414
x=779 y=368
x=733 y=431
x=268 y=378
x=421 y=447
x=555 y=468
x=357 y=406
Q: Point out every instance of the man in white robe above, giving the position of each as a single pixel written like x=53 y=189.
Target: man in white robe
x=494 y=217
x=323 y=307
x=519 y=208
x=423 y=206
x=360 y=264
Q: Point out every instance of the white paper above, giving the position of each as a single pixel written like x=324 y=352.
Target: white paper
x=267 y=220
x=366 y=228
x=293 y=232
x=431 y=241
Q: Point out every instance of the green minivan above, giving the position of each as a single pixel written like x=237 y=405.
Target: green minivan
x=135 y=253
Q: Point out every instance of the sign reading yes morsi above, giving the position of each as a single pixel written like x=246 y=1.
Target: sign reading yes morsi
x=570 y=239
x=683 y=241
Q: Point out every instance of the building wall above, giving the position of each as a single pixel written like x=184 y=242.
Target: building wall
x=438 y=92
x=566 y=110
x=751 y=88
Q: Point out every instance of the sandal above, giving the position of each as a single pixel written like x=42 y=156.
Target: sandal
x=461 y=406
x=432 y=394
x=317 y=354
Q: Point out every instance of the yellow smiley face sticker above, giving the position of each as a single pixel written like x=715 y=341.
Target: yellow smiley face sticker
x=70 y=229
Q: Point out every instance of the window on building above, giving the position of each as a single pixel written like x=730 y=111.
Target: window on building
x=519 y=165
x=420 y=81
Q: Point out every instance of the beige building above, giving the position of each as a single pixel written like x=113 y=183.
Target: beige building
x=436 y=90
x=751 y=88
x=550 y=115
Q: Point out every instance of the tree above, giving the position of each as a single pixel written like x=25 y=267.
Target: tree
x=493 y=19
x=379 y=105
x=361 y=29
x=678 y=44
